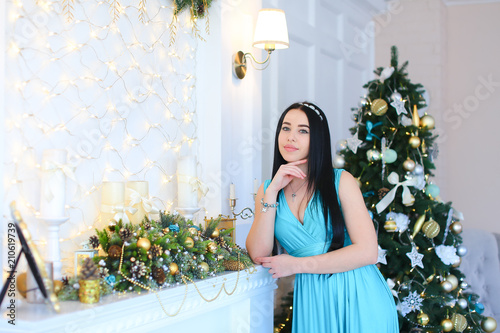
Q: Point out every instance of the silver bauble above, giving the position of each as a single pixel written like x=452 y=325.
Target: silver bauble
x=464 y=285
x=373 y=155
x=341 y=145
x=363 y=102
x=461 y=250
x=419 y=170
x=338 y=161
x=395 y=96
x=447 y=286
x=462 y=303
x=409 y=165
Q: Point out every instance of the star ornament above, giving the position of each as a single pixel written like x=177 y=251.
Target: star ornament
x=382 y=256
x=415 y=257
x=399 y=105
x=353 y=143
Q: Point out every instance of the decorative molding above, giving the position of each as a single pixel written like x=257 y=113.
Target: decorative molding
x=468 y=2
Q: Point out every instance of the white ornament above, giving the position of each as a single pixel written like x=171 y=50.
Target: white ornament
x=391 y=285
x=386 y=73
x=412 y=302
x=447 y=254
x=354 y=142
x=382 y=256
x=399 y=105
x=406 y=121
x=415 y=257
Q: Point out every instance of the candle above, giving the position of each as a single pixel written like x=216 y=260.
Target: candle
x=187 y=190
x=53 y=183
x=136 y=192
x=255 y=186
x=112 y=201
x=232 y=192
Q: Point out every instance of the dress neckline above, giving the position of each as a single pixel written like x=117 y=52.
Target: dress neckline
x=305 y=210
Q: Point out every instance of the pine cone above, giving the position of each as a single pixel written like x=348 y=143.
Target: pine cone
x=138 y=269
x=125 y=234
x=94 y=241
x=382 y=192
x=220 y=241
x=65 y=280
x=146 y=225
x=159 y=275
x=156 y=250
x=89 y=270
x=114 y=251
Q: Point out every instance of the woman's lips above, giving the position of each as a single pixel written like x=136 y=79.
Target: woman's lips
x=290 y=148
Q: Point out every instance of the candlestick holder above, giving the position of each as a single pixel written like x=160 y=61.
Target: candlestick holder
x=188 y=213
x=53 y=250
x=245 y=213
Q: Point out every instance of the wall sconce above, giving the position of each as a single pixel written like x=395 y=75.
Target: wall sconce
x=271 y=33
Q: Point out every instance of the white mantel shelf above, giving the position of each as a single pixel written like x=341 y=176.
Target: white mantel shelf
x=248 y=310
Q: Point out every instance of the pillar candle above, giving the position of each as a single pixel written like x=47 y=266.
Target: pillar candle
x=232 y=191
x=135 y=193
x=112 y=201
x=255 y=185
x=187 y=191
x=53 y=183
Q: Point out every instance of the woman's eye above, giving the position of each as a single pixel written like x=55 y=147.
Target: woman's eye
x=284 y=128
x=304 y=131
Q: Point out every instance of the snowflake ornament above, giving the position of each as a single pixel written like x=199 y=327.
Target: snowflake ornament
x=399 y=105
x=412 y=302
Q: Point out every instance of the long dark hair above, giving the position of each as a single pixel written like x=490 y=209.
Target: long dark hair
x=321 y=177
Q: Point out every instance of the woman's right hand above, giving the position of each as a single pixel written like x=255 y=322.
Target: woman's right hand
x=285 y=174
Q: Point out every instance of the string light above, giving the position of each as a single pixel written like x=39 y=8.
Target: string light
x=82 y=82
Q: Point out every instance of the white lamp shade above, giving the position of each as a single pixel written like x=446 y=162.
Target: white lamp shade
x=271 y=29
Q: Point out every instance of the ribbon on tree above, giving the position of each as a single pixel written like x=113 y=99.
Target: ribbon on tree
x=369 y=127
x=120 y=212
x=53 y=169
x=389 y=197
x=135 y=198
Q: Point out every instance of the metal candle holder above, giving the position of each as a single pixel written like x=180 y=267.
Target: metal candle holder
x=245 y=213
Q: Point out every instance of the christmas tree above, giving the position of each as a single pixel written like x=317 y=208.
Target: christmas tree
x=391 y=153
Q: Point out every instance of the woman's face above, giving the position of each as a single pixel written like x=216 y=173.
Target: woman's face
x=293 y=138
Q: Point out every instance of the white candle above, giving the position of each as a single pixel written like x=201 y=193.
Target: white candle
x=112 y=201
x=232 y=192
x=53 y=183
x=255 y=185
x=187 y=191
x=135 y=193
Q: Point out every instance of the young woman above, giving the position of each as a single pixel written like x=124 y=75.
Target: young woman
x=318 y=215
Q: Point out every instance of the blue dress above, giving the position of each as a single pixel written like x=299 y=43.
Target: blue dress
x=356 y=301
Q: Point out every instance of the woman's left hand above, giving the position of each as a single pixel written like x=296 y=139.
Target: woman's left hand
x=279 y=266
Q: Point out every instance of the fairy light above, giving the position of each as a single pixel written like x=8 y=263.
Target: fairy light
x=95 y=94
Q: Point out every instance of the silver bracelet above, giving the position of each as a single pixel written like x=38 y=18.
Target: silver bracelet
x=266 y=206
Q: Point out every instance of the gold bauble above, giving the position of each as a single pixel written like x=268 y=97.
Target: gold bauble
x=427 y=121
x=144 y=243
x=447 y=325
x=410 y=202
x=173 y=268
x=409 y=165
x=453 y=280
x=193 y=231
x=204 y=266
x=457 y=263
x=212 y=247
x=166 y=230
x=415 y=117
x=189 y=243
x=431 y=228
x=418 y=225
x=489 y=324
x=112 y=225
x=21 y=284
x=390 y=225
x=379 y=107
x=423 y=318
x=215 y=233
x=414 y=141
x=57 y=286
x=459 y=322
x=447 y=286
x=456 y=227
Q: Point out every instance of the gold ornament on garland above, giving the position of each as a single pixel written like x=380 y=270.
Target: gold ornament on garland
x=423 y=318
x=193 y=231
x=189 y=243
x=431 y=228
x=379 y=107
x=144 y=243
x=212 y=247
x=459 y=322
x=173 y=268
x=447 y=325
x=489 y=324
x=215 y=233
x=204 y=266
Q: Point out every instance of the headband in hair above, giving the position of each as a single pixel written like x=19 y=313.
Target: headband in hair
x=312 y=107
